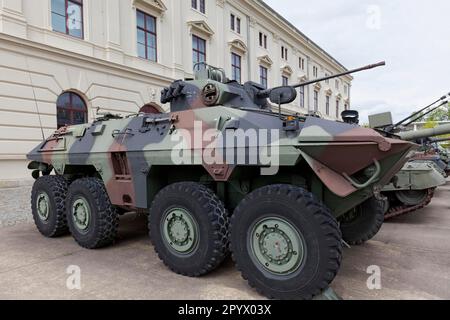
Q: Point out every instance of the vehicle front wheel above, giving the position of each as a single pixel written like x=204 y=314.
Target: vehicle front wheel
x=48 y=205
x=92 y=219
x=285 y=242
x=188 y=226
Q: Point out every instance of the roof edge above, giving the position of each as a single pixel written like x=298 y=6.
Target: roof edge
x=289 y=24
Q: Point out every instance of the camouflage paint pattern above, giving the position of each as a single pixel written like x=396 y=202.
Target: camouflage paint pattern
x=129 y=153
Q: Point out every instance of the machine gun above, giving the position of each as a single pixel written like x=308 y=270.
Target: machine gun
x=383 y=121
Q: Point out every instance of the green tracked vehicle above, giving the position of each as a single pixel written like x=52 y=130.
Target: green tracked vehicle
x=413 y=187
x=220 y=173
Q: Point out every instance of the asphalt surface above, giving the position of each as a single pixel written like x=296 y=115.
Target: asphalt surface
x=412 y=252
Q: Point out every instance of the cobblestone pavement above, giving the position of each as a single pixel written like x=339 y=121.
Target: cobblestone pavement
x=15 y=205
x=412 y=252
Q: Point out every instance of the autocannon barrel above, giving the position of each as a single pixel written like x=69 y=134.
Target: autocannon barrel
x=424 y=133
x=433 y=140
x=266 y=93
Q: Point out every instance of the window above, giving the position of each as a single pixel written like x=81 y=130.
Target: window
x=151 y=108
x=263 y=76
x=316 y=100
x=263 y=40
x=198 y=50
x=327 y=105
x=146 y=36
x=202 y=6
x=284 y=53
x=67 y=17
x=235 y=23
x=199 y=5
x=302 y=97
x=301 y=63
x=337 y=109
x=236 y=67
x=70 y=110
x=315 y=71
x=284 y=80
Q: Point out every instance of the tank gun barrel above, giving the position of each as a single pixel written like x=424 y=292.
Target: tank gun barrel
x=426 y=113
x=425 y=133
x=418 y=115
x=266 y=93
x=368 y=67
x=437 y=140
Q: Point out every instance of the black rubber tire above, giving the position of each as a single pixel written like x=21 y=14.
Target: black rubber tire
x=316 y=224
x=367 y=223
x=56 y=189
x=212 y=220
x=104 y=222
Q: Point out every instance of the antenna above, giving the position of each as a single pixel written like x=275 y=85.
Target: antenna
x=35 y=100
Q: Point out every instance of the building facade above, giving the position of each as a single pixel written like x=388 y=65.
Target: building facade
x=60 y=60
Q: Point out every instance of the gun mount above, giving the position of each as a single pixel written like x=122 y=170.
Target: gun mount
x=210 y=87
x=384 y=122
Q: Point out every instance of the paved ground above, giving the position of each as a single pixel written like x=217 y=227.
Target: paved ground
x=413 y=253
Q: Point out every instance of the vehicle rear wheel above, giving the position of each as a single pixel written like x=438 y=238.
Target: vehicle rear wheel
x=412 y=197
x=48 y=205
x=92 y=219
x=188 y=226
x=285 y=242
x=363 y=223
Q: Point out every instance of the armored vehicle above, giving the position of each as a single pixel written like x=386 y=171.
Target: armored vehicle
x=413 y=187
x=221 y=172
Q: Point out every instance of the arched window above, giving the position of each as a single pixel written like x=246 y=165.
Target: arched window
x=71 y=109
x=151 y=108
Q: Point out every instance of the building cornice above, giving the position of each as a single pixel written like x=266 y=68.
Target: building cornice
x=201 y=27
x=156 y=5
x=36 y=49
x=238 y=45
x=280 y=22
x=265 y=60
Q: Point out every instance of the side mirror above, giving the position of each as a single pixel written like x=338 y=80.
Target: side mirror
x=283 y=95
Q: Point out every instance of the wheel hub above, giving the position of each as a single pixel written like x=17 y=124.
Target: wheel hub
x=180 y=231
x=277 y=245
x=43 y=206
x=412 y=197
x=81 y=214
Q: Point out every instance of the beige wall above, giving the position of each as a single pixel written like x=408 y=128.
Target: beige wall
x=38 y=64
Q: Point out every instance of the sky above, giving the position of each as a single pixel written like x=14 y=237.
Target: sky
x=413 y=37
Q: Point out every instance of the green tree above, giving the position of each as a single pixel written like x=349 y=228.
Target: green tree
x=441 y=114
